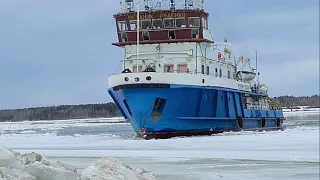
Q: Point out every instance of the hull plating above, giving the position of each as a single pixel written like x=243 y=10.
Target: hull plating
x=177 y=110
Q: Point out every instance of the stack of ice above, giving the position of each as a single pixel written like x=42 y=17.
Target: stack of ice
x=32 y=166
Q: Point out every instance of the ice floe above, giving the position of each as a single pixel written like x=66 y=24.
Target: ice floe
x=33 y=166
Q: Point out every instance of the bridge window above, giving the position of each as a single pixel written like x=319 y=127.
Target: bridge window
x=181 y=22
x=168 y=68
x=229 y=75
x=216 y=73
x=202 y=69
x=172 y=35
x=145 y=35
x=146 y=24
x=168 y=23
x=133 y=25
x=122 y=26
x=205 y=23
x=182 y=68
x=220 y=74
x=208 y=70
x=157 y=23
x=194 y=22
x=195 y=33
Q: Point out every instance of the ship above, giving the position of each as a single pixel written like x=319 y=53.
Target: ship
x=177 y=81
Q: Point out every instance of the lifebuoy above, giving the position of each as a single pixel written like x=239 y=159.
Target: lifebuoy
x=219 y=55
x=240 y=122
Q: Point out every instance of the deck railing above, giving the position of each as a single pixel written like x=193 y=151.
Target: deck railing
x=147 y=5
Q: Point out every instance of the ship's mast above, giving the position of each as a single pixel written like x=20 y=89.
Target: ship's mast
x=138 y=33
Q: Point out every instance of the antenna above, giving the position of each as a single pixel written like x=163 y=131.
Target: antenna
x=256 y=59
x=138 y=34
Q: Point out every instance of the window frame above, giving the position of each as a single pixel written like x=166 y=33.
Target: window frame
x=145 y=20
x=192 y=18
x=197 y=35
x=120 y=25
x=168 y=65
x=148 y=33
x=135 y=67
x=164 y=24
x=204 y=23
x=174 y=33
x=183 y=26
x=182 y=64
x=122 y=37
x=131 y=23
x=161 y=24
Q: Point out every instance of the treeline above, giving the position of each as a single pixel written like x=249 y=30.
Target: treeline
x=61 y=112
x=110 y=110
x=291 y=101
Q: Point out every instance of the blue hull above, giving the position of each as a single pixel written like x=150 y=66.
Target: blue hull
x=162 y=110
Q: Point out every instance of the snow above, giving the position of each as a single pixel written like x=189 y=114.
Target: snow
x=32 y=166
x=298 y=144
x=27 y=126
x=289 y=154
x=110 y=168
x=303 y=111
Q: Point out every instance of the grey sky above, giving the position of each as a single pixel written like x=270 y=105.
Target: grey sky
x=60 y=52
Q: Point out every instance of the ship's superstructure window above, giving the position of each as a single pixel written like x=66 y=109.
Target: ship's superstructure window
x=182 y=68
x=168 y=23
x=122 y=26
x=157 y=23
x=134 y=69
x=168 y=68
x=145 y=35
x=216 y=72
x=124 y=36
x=194 y=22
x=133 y=25
x=181 y=22
x=202 y=69
x=220 y=73
x=172 y=35
x=205 y=23
x=208 y=70
x=195 y=33
x=229 y=75
x=146 y=24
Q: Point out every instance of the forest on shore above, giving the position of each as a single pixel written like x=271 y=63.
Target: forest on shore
x=108 y=110
x=291 y=101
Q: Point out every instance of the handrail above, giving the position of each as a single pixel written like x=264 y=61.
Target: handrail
x=223 y=61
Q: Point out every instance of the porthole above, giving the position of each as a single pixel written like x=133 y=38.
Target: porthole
x=137 y=79
x=148 y=78
x=126 y=79
x=203 y=81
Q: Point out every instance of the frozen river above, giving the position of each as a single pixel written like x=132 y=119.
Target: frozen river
x=290 y=154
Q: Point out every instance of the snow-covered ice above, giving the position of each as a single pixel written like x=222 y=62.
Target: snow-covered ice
x=289 y=154
x=32 y=166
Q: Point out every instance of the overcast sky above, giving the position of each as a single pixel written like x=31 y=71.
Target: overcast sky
x=59 y=52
